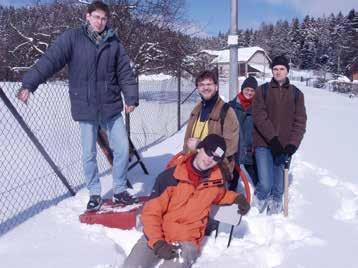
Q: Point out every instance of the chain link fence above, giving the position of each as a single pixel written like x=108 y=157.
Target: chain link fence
x=28 y=181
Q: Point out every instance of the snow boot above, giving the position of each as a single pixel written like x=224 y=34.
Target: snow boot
x=124 y=198
x=94 y=203
x=259 y=204
x=274 y=207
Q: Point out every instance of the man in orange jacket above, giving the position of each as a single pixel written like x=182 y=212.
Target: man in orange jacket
x=174 y=221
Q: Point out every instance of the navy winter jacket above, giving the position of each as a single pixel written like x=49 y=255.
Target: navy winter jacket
x=97 y=74
x=244 y=153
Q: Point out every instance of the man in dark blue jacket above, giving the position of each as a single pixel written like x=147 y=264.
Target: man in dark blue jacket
x=99 y=71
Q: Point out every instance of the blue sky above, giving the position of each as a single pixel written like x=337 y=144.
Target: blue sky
x=212 y=16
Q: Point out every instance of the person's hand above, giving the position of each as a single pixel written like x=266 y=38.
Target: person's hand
x=276 y=147
x=23 y=95
x=129 y=109
x=192 y=143
x=290 y=149
x=164 y=250
x=243 y=205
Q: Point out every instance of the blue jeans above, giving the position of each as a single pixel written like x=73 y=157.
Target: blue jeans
x=118 y=141
x=270 y=175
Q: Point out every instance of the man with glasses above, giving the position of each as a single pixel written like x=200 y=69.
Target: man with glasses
x=208 y=117
x=174 y=222
x=99 y=71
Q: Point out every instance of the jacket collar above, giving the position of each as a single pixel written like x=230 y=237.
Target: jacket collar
x=237 y=106
x=215 y=177
x=215 y=112
x=211 y=102
x=98 y=38
x=274 y=83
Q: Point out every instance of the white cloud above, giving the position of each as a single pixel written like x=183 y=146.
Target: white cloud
x=318 y=7
x=192 y=28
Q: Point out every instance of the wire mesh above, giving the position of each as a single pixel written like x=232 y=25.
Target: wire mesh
x=28 y=185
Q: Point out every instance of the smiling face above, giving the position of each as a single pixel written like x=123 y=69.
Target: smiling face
x=248 y=92
x=203 y=161
x=280 y=73
x=207 y=88
x=97 y=19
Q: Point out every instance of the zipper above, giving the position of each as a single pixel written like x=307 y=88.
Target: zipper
x=99 y=95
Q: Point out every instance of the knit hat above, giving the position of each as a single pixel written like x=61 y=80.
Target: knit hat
x=214 y=145
x=249 y=82
x=280 y=60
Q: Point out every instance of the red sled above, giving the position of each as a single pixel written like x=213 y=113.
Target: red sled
x=110 y=215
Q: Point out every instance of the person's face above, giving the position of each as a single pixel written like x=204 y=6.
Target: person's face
x=203 y=161
x=207 y=88
x=98 y=20
x=279 y=73
x=248 y=92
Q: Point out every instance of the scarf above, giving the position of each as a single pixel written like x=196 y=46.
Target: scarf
x=245 y=103
x=97 y=38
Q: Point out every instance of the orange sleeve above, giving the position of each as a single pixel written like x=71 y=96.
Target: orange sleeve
x=225 y=197
x=152 y=216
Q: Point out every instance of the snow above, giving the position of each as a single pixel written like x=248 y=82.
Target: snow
x=155 y=77
x=243 y=54
x=321 y=230
x=340 y=79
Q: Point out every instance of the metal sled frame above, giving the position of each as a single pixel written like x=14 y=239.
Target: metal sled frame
x=248 y=198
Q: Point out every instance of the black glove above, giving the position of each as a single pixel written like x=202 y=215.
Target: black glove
x=243 y=205
x=164 y=250
x=276 y=147
x=290 y=149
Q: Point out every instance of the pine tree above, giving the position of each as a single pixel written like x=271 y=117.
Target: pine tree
x=308 y=51
x=351 y=41
x=280 y=39
x=295 y=41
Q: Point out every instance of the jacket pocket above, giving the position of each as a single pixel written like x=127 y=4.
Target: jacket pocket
x=79 y=94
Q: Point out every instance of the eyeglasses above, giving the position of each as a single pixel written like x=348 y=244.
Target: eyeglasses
x=206 y=84
x=102 y=19
x=211 y=154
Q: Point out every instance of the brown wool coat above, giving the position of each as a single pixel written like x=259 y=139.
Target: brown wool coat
x=279 y=114
x=230 y=133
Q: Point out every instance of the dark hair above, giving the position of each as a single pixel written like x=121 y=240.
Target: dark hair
x=280 y=60
x=95 y=5
x=206 y=75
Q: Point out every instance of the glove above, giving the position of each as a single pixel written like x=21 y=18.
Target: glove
x=243 y=205
x=164 y=250
x=276 y=147
x=290 y=149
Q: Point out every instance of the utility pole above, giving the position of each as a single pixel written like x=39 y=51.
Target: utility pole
x=233 y=44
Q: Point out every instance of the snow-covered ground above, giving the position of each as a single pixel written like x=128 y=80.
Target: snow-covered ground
x=321 y=230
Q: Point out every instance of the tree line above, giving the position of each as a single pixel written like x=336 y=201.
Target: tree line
x=329 y=43
x=149 y=31
x=145 y=27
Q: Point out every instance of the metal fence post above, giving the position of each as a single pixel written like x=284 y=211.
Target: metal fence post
x=179 y=97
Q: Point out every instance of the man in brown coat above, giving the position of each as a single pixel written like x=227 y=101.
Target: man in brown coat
x=279 y=117
x=205 y=119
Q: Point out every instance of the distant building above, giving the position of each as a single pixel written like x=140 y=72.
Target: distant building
x=251 y=61
x=354 y=70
